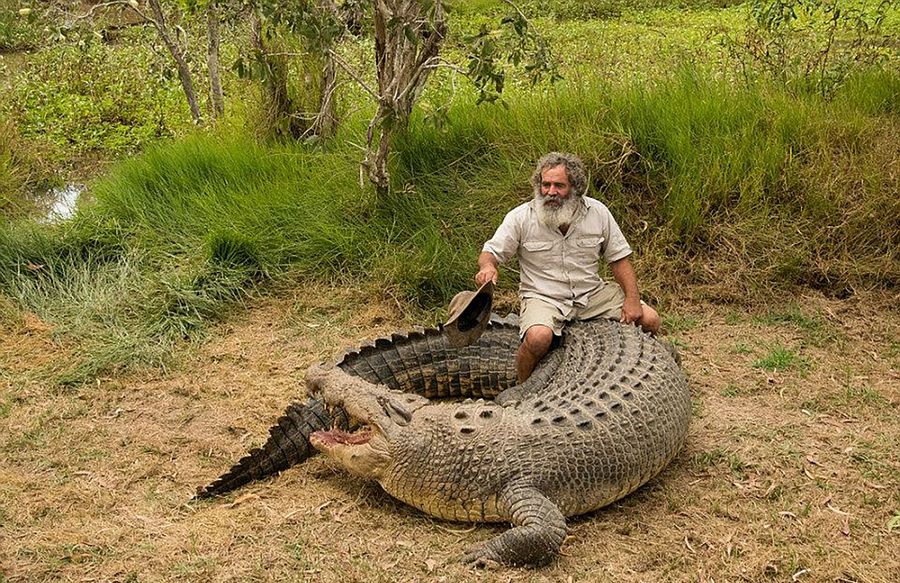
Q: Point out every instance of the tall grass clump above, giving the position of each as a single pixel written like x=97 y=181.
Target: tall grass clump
x=692 y=167
x=751 y=183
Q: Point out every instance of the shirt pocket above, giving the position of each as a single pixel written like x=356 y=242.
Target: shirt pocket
x=537 y=246
x=587 y=251
x=541 y=254
x=589 y=242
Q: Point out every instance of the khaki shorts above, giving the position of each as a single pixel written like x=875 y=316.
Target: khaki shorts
x=604 y=303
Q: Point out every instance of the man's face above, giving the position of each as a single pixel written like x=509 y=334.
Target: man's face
x=555 y=187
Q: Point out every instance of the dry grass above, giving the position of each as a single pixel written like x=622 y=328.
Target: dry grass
x=788 y=475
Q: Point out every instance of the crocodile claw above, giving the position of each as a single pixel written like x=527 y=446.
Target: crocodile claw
x=482 y=557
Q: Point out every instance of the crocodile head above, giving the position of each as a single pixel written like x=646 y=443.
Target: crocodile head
x=378 y=414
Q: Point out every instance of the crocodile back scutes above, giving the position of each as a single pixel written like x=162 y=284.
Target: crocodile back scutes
x=422 y=362
x=622 y=406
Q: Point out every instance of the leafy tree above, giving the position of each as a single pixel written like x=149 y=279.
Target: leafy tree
x=408 y=39
x=408 y=35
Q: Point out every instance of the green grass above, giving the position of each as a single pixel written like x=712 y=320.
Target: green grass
x=740 y=347
x=795 y=316
x=867 y=457
x=178 y=234
x=24 y=170
x=816 y=330
x=675 y=323
x=698 y=169
x=781 y=358
x=853 y=394
x=708 y=459
x=5 y=407
x=733 y=390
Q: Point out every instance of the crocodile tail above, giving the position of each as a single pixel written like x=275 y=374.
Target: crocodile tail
x=288 y=444
x=419 y=361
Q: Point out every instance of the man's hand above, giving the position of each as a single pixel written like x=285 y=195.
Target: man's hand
x=632 y=311
x=623 y=273
x=485 y=274
x=487 y=269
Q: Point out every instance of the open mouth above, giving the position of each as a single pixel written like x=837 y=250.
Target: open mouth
x=337 y=436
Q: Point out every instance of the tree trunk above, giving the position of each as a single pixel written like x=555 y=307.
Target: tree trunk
x=281 y=108
x=184 y=72
x=325 y=123
x=407 y=42
x=216 y=97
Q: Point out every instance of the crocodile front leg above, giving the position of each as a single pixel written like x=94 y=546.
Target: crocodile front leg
x=539 y=531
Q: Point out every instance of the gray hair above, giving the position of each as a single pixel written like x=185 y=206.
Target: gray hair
x=574 y=171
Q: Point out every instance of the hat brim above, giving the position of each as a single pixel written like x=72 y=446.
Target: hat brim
x=470 y=313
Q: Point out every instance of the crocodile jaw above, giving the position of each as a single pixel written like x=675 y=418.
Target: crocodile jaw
x=365 y=453
x=382 y=413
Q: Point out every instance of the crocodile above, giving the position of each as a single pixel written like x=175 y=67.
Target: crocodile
x=604 y=413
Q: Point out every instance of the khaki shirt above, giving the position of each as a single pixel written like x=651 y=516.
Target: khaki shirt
x=561 y=269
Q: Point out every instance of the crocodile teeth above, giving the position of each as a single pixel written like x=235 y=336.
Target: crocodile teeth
x=338 y=436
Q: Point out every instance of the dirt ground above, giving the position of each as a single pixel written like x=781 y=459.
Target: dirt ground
x=791 y=470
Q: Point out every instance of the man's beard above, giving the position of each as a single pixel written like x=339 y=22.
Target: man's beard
x=556 y=216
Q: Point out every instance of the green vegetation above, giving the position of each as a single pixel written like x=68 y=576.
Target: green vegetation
x=22 y=169
x=855 y=393
x=731 y=390
x=793 y=315
x=816 y=330
x=705 y=460
x=741 y=348
x=781 y=358
x=674 y=323
x=750 y=183
x=80 y=101
x=18 y=31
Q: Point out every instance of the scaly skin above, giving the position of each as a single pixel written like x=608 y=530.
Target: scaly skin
x=602 y=422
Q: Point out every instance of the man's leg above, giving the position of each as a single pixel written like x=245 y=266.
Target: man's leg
x=650 y=320
x=539 y=321
x=536 y=344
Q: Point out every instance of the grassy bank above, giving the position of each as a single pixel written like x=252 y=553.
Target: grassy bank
x=740 y=193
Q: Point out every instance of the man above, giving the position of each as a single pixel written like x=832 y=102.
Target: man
x=559 y=237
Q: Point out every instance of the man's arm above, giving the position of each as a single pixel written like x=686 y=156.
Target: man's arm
x=487 y=268
x=623 y=273
x=500 y=247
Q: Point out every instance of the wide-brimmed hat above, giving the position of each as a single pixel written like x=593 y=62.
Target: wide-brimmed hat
x=470 y=312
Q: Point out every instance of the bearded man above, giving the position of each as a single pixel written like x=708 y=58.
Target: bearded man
x=559 y=237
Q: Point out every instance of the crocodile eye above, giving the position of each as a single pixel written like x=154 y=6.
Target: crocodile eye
x=461 y=415
x=486 y=414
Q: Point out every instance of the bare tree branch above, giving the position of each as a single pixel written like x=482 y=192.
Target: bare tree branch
x=343 y=65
